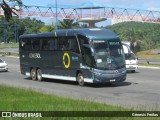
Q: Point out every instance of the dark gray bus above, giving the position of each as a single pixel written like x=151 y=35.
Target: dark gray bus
x=82 y=55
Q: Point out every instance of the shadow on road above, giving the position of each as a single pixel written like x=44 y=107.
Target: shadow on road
x=130 y=72
x=94 y=85
x=116 y=84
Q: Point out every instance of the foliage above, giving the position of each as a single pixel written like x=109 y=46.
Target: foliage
x=68 y=24
x=15 y=99
x=19 y=99
x=47 y=28
x=143 y=36
x=15 y=27
x=9 y=10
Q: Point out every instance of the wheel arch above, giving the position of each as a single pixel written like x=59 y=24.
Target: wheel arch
x=78 y=71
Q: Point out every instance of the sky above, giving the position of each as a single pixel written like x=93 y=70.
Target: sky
x=128 y=3
x=143 y=4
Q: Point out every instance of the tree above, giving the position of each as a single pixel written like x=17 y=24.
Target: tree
x=8 y=11
x=68 y=24
x=47 y=28
x=142 y=36
x=10 y=31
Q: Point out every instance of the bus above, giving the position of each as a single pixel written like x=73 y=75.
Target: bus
x=130 y=58
x=82 y=55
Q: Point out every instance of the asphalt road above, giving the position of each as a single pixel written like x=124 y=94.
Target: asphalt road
x=141 y=90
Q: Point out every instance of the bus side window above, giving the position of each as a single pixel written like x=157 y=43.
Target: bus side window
x=52 y=44
x=44 y=44
x=73 y=45
x=88 y=58
x=82 y=40
x=28 y=45
x=36 y=44
x=63 y=44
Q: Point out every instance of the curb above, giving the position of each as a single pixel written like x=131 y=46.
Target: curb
x=9 y=56
x=149 y=67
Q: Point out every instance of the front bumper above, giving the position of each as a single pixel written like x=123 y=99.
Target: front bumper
x=4 y=68
x=131 y=67
x=104 y=76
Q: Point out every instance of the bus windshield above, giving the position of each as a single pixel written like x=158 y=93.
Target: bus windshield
x=130 y=56
x=108 y=54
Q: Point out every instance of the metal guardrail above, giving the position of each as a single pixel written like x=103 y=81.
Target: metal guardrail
x=149 y=61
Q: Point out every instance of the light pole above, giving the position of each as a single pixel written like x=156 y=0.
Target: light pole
x=56 y=15
x=5 y=32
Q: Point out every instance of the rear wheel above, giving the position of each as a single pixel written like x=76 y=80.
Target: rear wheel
x=80 y=79
x=39 y=75
x=33 y=74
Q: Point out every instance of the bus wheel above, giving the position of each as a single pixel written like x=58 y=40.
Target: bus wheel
x=80 y=79
x=39 y=75
x=33 y=74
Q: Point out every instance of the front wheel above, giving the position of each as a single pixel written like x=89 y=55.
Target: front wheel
x=80 y=79
x=33 y=74
x=39 y=75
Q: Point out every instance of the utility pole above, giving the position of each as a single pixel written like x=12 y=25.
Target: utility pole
x=15 y=32
x=5 y=32
x=56 y=15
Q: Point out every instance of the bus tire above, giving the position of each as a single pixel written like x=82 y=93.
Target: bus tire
x=33 y=74
x=80 y=79
x=39 y=75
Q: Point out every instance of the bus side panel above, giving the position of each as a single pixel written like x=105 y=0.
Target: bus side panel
x=60 y=63
x=24 y=62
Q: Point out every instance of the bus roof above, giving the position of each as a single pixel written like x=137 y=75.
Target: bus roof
x=93 y=33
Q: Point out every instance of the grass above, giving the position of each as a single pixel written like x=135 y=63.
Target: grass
x=26 y=100
x=148 y=57
x=14 y=99
x=9 y=45
x=9 y=54
x=148 y=54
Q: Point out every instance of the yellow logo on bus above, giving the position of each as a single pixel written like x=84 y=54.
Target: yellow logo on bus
x=66 y=65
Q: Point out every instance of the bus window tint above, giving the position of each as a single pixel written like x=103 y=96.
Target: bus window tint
x=49 y=44
x=130 y=56
x=82 y=40
x=88 y=56
x=63 y=44
x=45 y=44
x=68 y=44
x=73 y=45
x=35 y=44
x=52 y=44
x=27 y=45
